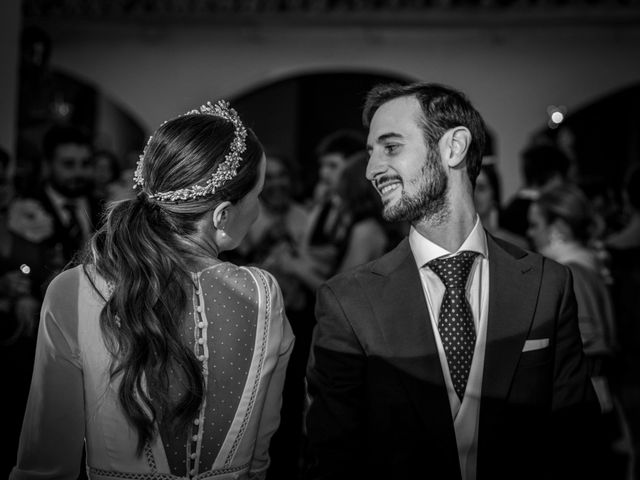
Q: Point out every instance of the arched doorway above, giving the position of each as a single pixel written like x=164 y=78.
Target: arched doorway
x=293 y=114
x=52 y=96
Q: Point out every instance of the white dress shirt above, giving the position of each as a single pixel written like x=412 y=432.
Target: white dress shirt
x=465 y=414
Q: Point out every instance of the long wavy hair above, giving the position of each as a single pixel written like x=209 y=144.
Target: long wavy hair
x=145 y=250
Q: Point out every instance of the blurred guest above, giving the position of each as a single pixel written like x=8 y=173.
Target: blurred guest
x=282 y=220
x=332 y=153
x=487 y=197
x=623 y=247
x=317 y=256
x=278 y=230
x=66 y=192
x=561 y=228
x=106 y=173
x=356 y=235
x=543 y=166
x=275 y=236
x=363 y=236
x=606 y=205
x=628 y=236
x=23 y=226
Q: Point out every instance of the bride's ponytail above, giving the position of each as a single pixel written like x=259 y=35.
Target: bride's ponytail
x=145 y=250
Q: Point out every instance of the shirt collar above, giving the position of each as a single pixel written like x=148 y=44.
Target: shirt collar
x=424 y=250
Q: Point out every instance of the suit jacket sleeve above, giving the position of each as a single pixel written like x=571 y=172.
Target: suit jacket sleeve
x=335 y=382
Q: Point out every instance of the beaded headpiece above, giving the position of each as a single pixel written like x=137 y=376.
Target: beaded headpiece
x=225 y=171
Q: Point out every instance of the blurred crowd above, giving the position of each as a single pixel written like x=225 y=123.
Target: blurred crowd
x=592 y=228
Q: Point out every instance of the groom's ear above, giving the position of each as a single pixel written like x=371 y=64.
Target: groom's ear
x=454 y=145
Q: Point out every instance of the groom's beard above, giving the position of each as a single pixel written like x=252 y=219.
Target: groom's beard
x=429 y=202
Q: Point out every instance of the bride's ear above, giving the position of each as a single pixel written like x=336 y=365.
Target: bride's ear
x=221 y=215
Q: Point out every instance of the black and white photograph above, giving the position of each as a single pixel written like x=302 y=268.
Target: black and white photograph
x=320 y=239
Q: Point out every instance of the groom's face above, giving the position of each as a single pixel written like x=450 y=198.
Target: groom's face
x=405 y=171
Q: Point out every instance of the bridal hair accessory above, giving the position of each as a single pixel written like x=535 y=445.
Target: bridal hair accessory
x=225 y=171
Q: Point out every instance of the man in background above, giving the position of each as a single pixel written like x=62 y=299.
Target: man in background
x=65 y=193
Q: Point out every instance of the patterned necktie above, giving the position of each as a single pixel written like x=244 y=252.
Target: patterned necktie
x=455 y=324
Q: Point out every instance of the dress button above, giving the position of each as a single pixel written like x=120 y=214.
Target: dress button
x=198 y=308
x=201 y=341
x=196 y=421
x=202 y=358
x=193 y=471
x=193 y=455
x=194 y=438
x=200 y=324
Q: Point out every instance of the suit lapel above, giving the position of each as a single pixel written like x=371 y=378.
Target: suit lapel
x=403 y=318
x=513 y=291
x=402 y=315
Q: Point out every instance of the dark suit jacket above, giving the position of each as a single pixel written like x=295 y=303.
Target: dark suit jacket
x=379 y=406
x=60 y=231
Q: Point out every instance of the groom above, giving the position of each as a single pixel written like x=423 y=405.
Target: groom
x=456 y=355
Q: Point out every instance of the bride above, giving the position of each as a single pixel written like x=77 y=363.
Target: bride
x=156 y=357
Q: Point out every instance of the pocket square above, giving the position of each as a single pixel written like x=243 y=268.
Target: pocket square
x=536 y=344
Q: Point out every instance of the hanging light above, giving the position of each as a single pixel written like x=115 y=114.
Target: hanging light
x=556 y=115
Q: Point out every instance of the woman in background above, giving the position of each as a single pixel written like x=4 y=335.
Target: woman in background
x=561 y=226
x=357 y=236
x=623 y=247
x=165 y=361
x=361 y=233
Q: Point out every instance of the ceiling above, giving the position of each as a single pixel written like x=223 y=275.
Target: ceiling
x=339 y=12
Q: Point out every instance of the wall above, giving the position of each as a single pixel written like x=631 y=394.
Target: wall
x=511 y=73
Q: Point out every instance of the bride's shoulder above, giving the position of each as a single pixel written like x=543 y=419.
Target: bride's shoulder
x=228 y=276
x=262 y=275
x=65 y=281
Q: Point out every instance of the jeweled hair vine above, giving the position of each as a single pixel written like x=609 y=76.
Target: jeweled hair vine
x=225 y=171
